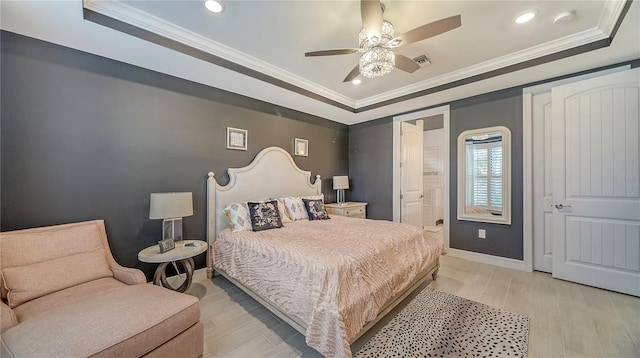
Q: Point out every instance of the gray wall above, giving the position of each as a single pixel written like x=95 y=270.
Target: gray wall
x=490 y=109
x=503 y=108
x=84 y=137
x=371 y=166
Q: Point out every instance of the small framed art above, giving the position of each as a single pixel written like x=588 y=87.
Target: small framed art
x=236 y=138
x=166 y=245
x=301 y=147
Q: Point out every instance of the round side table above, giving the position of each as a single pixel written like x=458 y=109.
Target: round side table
x=181 y=254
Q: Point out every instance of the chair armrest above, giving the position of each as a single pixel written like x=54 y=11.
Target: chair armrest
x=130 y=276
x=8 y=318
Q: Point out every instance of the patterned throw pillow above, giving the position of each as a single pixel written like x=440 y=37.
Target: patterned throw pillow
x=284 y=216
x=264 y=216
x=315 y=209
x=295 y=208
x=238 y=216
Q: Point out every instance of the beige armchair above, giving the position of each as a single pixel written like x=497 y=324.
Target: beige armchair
x=63 y=295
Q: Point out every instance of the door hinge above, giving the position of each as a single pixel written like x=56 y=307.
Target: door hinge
x=400 y=165
x=401 y=197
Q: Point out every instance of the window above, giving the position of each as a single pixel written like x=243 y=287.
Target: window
x=484 y=187
x=484 y=175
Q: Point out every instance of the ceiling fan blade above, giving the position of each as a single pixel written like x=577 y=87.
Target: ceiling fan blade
x=371 y=11
x=353 y=74
x=406 y=64
x=426 y=31
x=345 y=51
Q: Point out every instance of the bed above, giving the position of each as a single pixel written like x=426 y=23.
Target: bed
x=332 y=279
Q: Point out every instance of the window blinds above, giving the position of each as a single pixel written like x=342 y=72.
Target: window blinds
x=486 y=184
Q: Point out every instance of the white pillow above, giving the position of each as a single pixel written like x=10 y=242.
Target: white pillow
x=295 y=208
x=284 y=215
x=238 y=216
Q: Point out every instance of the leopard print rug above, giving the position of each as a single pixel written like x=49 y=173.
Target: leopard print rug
x=437 y=324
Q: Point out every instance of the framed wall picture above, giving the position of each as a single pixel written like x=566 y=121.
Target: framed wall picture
x=166 y=245
x=301 y=147
x=236 y=138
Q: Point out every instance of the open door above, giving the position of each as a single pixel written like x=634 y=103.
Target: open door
x=596 y=191
x=411 y=176
x=542 y=186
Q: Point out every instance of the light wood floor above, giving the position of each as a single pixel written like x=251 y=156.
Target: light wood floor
x=567 y=319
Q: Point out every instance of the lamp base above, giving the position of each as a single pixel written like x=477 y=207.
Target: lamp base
x=172 y=229
x=340 y=197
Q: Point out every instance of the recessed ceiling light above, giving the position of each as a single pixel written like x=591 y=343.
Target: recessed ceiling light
x=565 y=16
x=525 y=17
x=357 y=81
x=213 y=6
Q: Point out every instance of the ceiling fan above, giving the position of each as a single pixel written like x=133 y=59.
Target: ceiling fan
x=377 y=42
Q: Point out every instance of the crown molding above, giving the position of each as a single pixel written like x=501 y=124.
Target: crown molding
x=119 y=11
x=568 y=42
x=611 y=12
x=127 y=14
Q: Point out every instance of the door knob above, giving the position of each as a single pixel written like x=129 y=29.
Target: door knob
x=421 y=196
x=560 y=206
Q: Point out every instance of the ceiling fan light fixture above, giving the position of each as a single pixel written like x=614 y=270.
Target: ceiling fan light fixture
x=213 y=6
x=367 y=42
x=377 y=62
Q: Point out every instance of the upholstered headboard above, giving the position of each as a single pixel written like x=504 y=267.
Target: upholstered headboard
x=271 y=174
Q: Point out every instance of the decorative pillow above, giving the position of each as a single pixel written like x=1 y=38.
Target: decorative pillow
x=238 y=216
x=284 y=216
x=315 y=209
x=314 y=197
x=295 y=208
x=28 y=282
x=264 y=216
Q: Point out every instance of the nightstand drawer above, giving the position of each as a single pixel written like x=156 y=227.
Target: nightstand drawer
x=350 y=209
x=355 y=212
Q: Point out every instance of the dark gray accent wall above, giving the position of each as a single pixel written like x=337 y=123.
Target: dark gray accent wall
x=503 y=108
x=490 y=109
x=84 y=137
x=371 y=167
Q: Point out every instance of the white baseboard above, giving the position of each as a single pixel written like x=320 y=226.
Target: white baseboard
x=487 y=259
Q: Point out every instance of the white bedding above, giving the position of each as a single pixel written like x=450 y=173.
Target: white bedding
x=334 y=275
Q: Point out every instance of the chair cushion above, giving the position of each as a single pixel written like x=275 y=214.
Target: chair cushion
x=36 y=262
x=68 y=296
x=130 y=321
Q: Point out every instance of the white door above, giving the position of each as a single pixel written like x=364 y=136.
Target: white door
x=432 y=168
x=411 y=178
x=542 y=186
x=596 y=191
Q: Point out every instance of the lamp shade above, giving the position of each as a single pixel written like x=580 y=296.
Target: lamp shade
x=170 y=205
x=340 y=182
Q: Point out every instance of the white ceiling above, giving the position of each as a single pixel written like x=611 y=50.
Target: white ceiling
x=271 y=37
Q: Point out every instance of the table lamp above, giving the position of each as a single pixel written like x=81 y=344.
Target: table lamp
x=340 y=183
x=171 y=208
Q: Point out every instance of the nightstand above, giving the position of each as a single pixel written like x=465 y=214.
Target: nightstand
x=182 y=254
x=350 y=209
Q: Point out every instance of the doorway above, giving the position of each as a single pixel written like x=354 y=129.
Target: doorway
x=443 y=113
x=584 y=229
